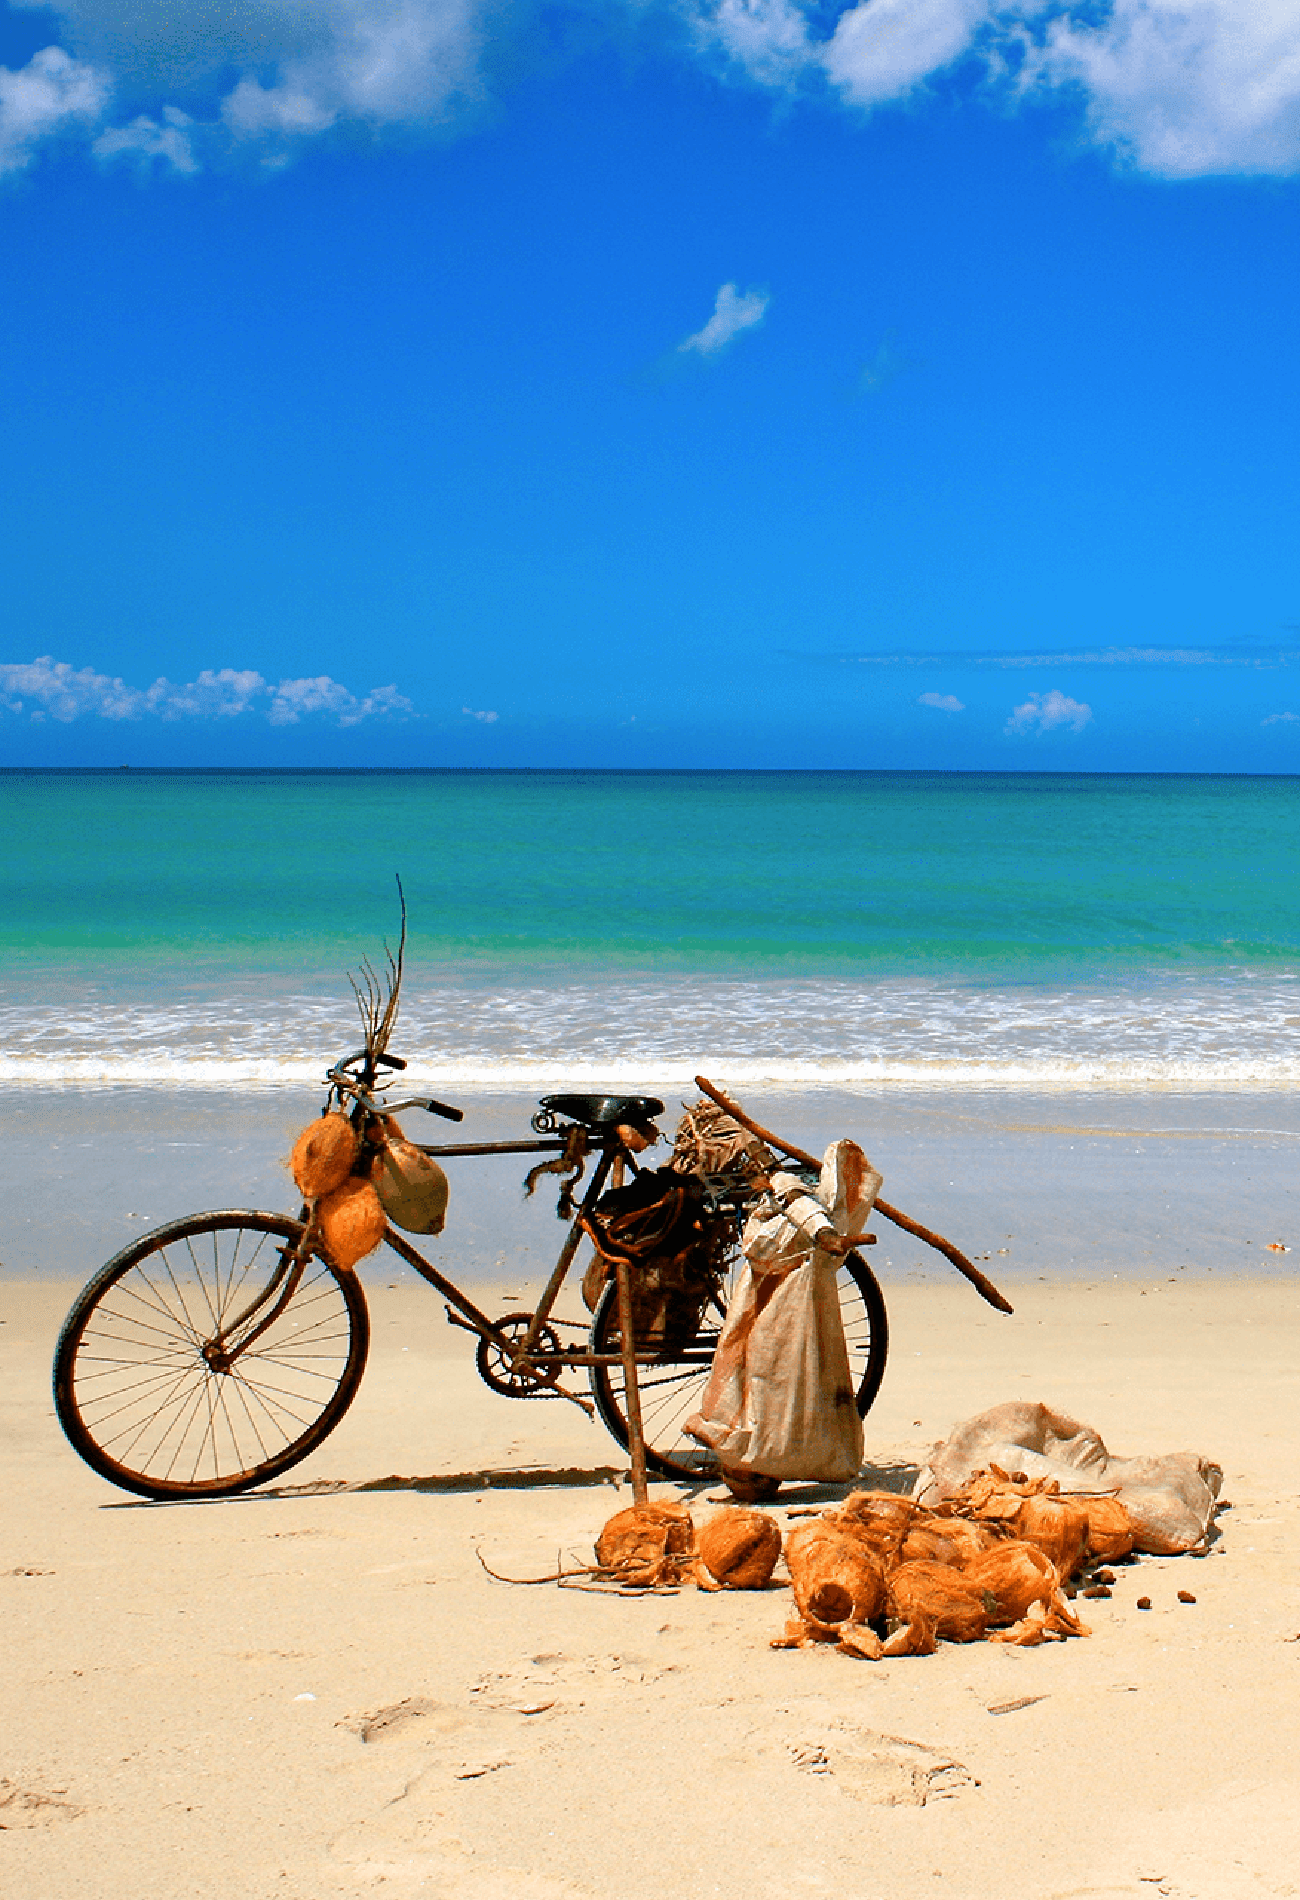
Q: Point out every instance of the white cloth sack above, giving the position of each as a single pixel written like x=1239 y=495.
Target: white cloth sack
x=1171 y=1499
x=780 y=1401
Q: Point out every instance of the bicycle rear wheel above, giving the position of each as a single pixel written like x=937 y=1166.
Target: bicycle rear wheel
x=672 y=1384
x=141 y=1403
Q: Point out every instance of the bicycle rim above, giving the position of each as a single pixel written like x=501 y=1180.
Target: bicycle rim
x=671 y=1387
x=140 y=1403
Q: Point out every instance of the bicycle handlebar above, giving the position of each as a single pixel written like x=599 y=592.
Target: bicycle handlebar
x=339 y=1076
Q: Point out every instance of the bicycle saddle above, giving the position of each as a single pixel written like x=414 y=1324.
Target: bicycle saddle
x=601 y=1111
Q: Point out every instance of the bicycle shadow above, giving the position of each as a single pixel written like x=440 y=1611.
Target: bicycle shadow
x=898 y=1478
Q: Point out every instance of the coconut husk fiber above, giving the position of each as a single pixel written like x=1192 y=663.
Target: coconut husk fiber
x=737 y=1550
x=323 y=1155
x=351 y=1221
x=1033 y=1510
x=835 y=1576
x=881 y=1519
x=946 y=1540
x=647 y=1545
x=1111 y=1531
x=934 y=1600
x=1014 y=1578
x=1059 y=1528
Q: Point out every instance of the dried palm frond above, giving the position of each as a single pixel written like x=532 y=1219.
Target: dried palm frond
x=377 y=995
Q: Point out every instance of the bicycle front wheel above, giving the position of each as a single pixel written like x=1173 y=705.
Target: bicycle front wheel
x=148 y=1403
x=672 y=1382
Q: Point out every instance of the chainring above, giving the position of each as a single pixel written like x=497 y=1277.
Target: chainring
x=497 y=1370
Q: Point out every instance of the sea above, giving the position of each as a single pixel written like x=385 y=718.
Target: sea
x=806 y=930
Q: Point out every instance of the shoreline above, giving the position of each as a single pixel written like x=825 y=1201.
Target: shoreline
x=1079 y=1186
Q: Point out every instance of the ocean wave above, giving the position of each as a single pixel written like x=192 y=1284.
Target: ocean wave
x=536 y=1079
x=1178 y=1032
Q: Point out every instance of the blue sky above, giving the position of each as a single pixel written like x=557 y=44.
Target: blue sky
x=651 y=383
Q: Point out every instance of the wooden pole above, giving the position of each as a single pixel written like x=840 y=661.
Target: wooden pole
x=631 y=1390
x=981 y=1283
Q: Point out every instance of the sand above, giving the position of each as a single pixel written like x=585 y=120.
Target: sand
x=308 y=1694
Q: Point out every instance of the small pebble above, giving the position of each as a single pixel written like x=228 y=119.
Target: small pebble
x=1103 y=1576
x=1144 y=1603
x=1185 y=1596
x=1098 y=1590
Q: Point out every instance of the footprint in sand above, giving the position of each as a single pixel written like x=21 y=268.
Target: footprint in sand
x=886 y=1770
x=33 y=1807
x=383 y=1724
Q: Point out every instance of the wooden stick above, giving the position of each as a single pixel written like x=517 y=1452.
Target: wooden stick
x=981 y=1283
x=631 y=1390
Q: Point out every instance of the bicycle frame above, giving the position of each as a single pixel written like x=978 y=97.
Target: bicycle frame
x=545 y=1367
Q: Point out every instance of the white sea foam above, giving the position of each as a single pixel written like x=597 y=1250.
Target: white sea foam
x=1229 y=1030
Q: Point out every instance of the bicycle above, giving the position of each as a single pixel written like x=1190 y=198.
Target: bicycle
x=215 y=1353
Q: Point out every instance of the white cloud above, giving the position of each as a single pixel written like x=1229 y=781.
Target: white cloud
x=1185 y=86
x=942 y=702
x=488 y=718
x=1281 y=719
x=48 y=687
x=1182 y=88
x=884 y=48
x=768 y=39
x=219 y=695
x=64 y=693
x=51 y=94
x=733 y=312
x=1043 y=712
x=297 y=699
x=145 y=139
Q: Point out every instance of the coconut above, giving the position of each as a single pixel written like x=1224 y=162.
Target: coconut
x=835 y=1576
x=647 y=1543
x=1022 y=1586
x=1110 y=1529
x=1059 y=1528
x=881 y=1518
x=1012 y=1577
x=351 y=1221
x=945 y=1540
x=936 y=1596
x=412 y=1188
x=323 y=1155
x=738 y=1550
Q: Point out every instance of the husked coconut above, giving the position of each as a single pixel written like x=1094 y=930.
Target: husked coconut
x=881 y=1518
x=835 y=1576
x=946 y=1540
x=1058 y=1527
x=323 y=1155
x=1022 y=1587
x=737 y=1550
x=647 y=1544
x=937 y=1597
x=351 y=1221
x=1111 y=1530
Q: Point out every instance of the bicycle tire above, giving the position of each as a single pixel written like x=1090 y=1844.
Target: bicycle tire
x=670 y=1388
x=139 y=1402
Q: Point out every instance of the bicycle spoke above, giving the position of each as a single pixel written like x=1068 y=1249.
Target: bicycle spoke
x=139 y=1398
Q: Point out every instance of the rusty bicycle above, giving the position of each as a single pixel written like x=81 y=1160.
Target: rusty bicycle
x=215 y=1353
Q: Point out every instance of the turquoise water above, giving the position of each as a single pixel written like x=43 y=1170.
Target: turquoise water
x=822 y=926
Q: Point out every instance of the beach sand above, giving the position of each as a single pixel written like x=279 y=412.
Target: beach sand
x=309 y=1693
